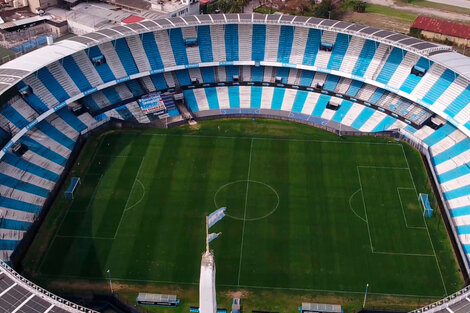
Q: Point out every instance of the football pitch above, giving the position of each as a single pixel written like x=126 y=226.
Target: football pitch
x=306 y=211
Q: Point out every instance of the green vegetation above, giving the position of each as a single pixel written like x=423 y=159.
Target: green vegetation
x=384 y=10
x=435 y=5
x=6 y=55
x=313 y=216
x=264 y=10
x=226 y=6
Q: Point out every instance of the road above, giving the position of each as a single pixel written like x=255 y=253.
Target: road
x=427 y=11
x=456 y=3
x=253 y=4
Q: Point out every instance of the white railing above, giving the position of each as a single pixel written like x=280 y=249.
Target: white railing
x=41 y=292
x=446 y=302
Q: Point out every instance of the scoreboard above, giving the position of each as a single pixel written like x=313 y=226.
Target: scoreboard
x=152 y=104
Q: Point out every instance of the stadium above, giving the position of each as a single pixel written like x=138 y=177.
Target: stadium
x=308 y=210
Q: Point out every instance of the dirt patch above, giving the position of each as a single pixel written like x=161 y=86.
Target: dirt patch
x=394 y=24
x=195 y=126
x=242 y=294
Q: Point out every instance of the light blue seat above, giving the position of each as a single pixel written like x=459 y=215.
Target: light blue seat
x=321 y=105
x=103 y=70
x=183 y=77
x=299 y=101
x=234 y=96
x=205 y=43
x=342 y=111
x=331 y=82
x=258 y=42
x=178 y=46
x=212 y=99
x=286 y=37
x=6 y=223
x=75 y=73
x=54 y=87
x=43 y=151
x=410 y=83
x=15 y=183
x=306 y=78
x=231 y=42
x=19 y=205
x=152 y=52
x=159 y=81
x=190 y=99
x=256 y=93
x=55 y=134
x=278 y=98
x=366 y=56
x=125 y=55
x=12 y=115
x=312 y=46
x=444 y=81
x=29 y=167
x=389 y=68
x=384 y=124
x=339 y=50
x=362 y=118
x=207 y=74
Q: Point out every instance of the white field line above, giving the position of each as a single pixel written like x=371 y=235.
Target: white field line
x=276 y=139
x=403 y=210
x=384 y=167
x=368 y=227
x=122 y=215
x=85 y=237
x=141 y=198
x=365 y=209
x=242 y=286
x=244 y=213
x=350 y=205
x=425 y=223
x=405 y=254
x=129 y=197
x=90 y=201
x=62 y=222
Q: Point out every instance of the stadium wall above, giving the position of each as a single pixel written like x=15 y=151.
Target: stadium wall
x=154 y=52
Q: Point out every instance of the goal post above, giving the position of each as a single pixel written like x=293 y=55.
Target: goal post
x=427 y=210
x=74 y=183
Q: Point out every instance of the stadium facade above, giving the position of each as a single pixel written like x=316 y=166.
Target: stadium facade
x=299 y=68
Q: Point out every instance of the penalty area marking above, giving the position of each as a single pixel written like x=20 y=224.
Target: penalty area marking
x=247 y=182
x=136 y=180
x=367 y=218
x=129 y=197
x=350 y=205
x=141 y=198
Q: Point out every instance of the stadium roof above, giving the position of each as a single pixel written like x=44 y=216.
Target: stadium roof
x=17 y=69
x=133 y=19
x=17 y=294
x=444 y=27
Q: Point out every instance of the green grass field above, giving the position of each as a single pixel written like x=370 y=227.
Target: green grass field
x=307 y=211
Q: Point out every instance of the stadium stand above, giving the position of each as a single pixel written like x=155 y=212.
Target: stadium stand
x=303 y=68
x=18 y=294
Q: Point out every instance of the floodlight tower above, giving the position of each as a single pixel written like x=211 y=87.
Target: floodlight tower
x=207 y=297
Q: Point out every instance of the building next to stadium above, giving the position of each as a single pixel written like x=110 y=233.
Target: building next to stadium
x=290 y=67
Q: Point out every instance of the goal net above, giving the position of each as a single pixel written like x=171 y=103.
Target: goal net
x=427 y=210
x=74 y=183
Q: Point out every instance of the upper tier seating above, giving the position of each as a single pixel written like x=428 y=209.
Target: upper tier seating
x=28 y=179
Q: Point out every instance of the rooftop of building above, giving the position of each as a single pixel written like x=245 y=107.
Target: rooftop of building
x=440 y=26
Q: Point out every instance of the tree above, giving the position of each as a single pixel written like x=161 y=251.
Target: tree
x=359 y=6
x=324 y=9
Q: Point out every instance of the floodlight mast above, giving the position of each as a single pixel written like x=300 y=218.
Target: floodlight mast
x=207 y=233
x=207 y=292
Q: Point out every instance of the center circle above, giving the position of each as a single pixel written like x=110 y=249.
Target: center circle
x=247 y=200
